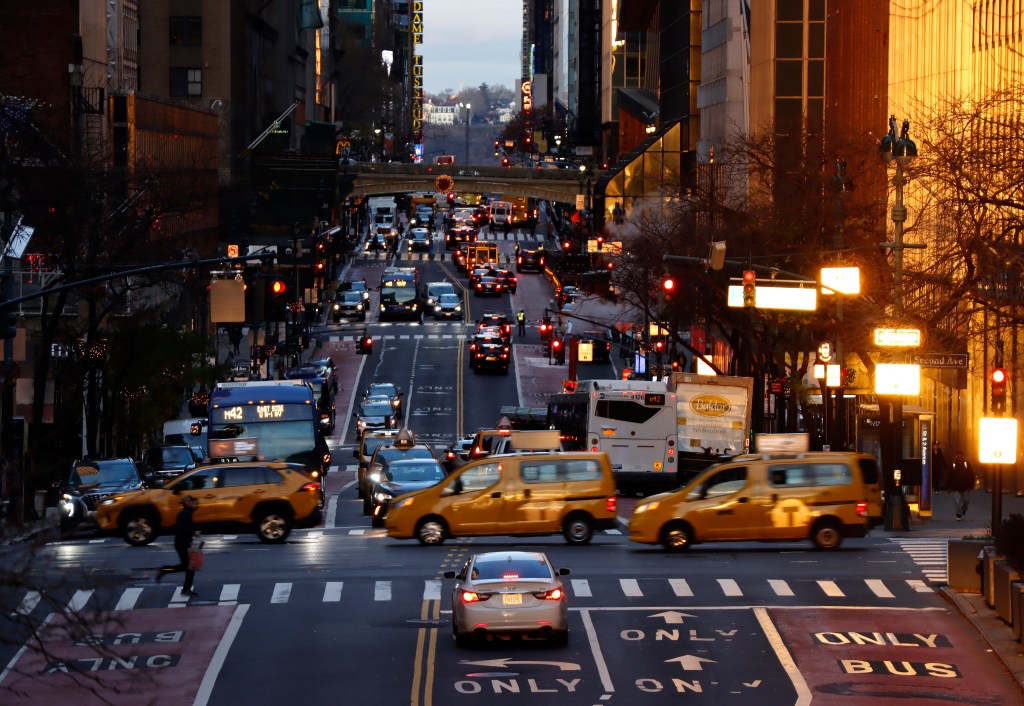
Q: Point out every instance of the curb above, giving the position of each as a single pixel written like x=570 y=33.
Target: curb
x=993 y=630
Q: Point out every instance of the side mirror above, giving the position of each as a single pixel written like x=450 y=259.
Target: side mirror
x=563 y=572
x=449 y=574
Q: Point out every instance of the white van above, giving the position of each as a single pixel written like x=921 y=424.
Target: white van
x=501 y=213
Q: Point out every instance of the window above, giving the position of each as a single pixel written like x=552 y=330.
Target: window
x=625 y=411
x=186 y=31
x=186 y=82
x=480 y=477
x=245 y=475
x=199 y=480
x=729 y=480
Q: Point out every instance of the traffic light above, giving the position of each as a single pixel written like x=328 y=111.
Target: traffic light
x=558 y=351
x=497 y=148
x=659 y=347
x=668 y=288
x=749 y=288
x=274 y=309
x=364 y=346
x=997 y=378
x=600 y=242
x=505 y=162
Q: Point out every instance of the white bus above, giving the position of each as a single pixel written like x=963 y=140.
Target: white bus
x=633 y=421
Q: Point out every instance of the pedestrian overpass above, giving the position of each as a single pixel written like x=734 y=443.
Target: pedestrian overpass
x=561 y=185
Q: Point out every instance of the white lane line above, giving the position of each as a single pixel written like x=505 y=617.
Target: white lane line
x=879 y=588
x=29 y=602
x=332 y=591
x=128 y=599
x=631 y=587
x=382 y=591
x=681 y=588
x=803 y=692
x=432 y=590
x=229 y=594
x=219 y=656
x=780 y=587
x=581 y=588
x=831 y=589
x=282 y=592
x=79 y=600
x=730 y=587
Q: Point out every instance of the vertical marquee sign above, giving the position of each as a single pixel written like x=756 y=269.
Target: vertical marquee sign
x=416 y=74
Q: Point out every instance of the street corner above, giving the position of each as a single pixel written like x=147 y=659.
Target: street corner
x=112 y=658
x=864 y=657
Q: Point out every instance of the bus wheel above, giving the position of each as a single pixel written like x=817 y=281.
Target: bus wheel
x=578 y=529
x=676 y=537
x=826 y=535
x=139 y=528
x=430 y=531
x=273 y=527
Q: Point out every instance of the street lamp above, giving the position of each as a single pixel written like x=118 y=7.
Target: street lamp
x=380 y=142
x=902 y=151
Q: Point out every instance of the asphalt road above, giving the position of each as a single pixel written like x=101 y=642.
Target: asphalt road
x=342 y=614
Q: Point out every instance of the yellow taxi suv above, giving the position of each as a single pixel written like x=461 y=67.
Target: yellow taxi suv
x=823 y=497
x=531 y=494
x=269 y=498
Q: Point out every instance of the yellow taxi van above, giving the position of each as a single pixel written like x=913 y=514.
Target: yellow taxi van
x=783 y=492
x=530 y=494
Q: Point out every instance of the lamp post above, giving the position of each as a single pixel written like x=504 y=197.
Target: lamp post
x=467 y=106
x=902 y=151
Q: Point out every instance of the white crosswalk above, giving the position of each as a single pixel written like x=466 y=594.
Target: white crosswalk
x=633 y=589
x=929 y=553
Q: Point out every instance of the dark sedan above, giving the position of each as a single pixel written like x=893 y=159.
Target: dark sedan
x=349 y=305
x=374 y=416
x=398 y=477
x=488 y=286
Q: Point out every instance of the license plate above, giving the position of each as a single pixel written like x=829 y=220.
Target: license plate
x=492 y=357
x=511 y=599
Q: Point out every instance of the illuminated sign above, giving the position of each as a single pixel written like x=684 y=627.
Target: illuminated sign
x=234 y=448
x=654 y=399
x=417 y=22
x=997 y=440
x=527 y=95
x=840 y=280
x=896 y=379
x=904 y=337
x=260 y=412
x=789 y=298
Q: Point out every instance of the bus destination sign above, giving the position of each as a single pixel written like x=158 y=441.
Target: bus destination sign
x=242 y=414
x=654 y=399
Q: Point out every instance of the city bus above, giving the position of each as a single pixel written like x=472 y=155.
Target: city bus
x=399 y=293
x=266 y=420
x=633 y=421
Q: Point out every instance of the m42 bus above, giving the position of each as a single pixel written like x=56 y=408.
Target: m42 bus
x=267 y=420
x=633 y=421
x=399 y=293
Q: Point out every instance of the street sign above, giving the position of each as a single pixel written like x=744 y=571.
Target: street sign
x=904 y=337
x=941 y=360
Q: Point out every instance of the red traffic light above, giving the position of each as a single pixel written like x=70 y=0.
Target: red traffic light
x=669 y=285
x=278 y=287
x=659 y=346
x=556 y=344
x=997 y=376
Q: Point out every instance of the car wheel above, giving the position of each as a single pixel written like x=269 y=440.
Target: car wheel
x=676 y=537
x=273 y=527
x=826 y=535
x=578 y=529
x=139 y=528
x=430 y=531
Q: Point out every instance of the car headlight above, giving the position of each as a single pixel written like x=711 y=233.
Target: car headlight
x=361 y=424
x=394 y=403
x=437 y=309
x=374 y=477
x=382 y=307
x=644 y=507
x=359 y=306
x=337 y=307
x=382 y=496
x=458 y=307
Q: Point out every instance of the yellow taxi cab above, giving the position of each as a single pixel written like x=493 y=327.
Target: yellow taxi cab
x=783 y=492
x=530 y=494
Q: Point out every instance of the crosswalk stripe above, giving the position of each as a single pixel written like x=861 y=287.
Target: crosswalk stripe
x=128 y=599
x=229 y=594
x=282 y=592
x=178 y=600
x=831 y=589
x=581 y=588
x=878 y=588
x=332 y=591
x=780 y=587
x=79 y=600
x=29 y=602
x=681 y=588
x=730 y=587
x=432 y=590
x=382 y=591
x=919 y=586
x=631 y=587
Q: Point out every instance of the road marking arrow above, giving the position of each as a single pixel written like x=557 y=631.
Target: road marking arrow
x=506 y=661
x=690 y=662
x=672 y=617
x=754 y=684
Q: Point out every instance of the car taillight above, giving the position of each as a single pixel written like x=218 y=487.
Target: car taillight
x=610 y=503
x=479 y=286
x=862 y=509
x=555 y=594
x=471 y=597
x=450 y=455
x=311 y=487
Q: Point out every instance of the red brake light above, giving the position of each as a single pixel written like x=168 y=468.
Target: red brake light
x=610 y=503
x=555 y=594
x=311 y=487
x=862 y=509
x=470 y=597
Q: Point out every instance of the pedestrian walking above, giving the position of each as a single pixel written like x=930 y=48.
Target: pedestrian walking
x=521 y=320
x=184 y=534
x=961 y=483
x=941 y=466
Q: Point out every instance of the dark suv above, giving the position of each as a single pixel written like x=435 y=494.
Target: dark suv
x=530 y=260
x=90 y=482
